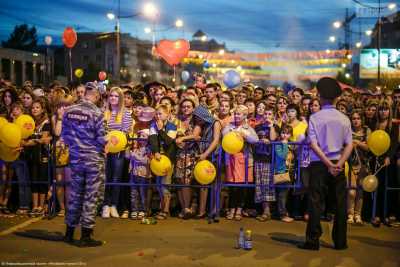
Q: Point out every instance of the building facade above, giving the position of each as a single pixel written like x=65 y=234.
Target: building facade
x=18 y=66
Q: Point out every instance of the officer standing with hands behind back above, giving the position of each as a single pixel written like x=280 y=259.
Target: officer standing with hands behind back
x=330 y=136
x=83 y=130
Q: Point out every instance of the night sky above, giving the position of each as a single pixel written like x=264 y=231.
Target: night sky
x=254 y=25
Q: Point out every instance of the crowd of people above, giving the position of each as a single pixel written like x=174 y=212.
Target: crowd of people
x=187 y=125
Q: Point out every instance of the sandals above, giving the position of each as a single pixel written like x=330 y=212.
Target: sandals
x=230 y=215
x=134 y=215
x=162 y=215
x=264 y=217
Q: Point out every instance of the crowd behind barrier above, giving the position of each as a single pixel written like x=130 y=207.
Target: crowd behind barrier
x=267 y=178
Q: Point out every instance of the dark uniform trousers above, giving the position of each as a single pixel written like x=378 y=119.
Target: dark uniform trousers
x=323 y=183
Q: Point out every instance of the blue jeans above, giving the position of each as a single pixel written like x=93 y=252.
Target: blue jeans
x=114 y=171
x=282 y=198
x=22 y=172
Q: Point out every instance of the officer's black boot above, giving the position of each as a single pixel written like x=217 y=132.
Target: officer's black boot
x=86 y=239
x=69 y=235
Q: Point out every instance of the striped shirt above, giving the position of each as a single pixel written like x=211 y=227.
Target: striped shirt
x=125 y=124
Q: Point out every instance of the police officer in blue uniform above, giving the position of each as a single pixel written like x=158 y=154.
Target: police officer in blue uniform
x=83 y=130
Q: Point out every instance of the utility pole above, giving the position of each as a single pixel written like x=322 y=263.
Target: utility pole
x=379 y=41
x=118 y=32
x=347 y=30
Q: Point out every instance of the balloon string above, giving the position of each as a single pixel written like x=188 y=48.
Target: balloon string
x=380 y=168
x=70 y=63
x=174 y=73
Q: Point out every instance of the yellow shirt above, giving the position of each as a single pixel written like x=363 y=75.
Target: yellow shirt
x=299 y=129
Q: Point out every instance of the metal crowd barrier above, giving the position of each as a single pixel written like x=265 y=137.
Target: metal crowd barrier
x=215 y=188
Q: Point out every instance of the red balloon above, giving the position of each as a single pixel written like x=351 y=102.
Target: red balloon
x=102 y=75
x=173 y=51
x=69 y=37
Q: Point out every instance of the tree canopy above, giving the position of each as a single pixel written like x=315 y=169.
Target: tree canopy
x=23 y=38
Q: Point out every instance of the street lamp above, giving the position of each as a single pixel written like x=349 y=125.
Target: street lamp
x=147 y=30
x=179 y=23
x=358 y=44
x=110 y=16
x=347 y=75
x=332 y=39
x=337 y=24
x=150 y=11
x=368 y=32
x=203 y=38
x=221 y=52
x=392 y=6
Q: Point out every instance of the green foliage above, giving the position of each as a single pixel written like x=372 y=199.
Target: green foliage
x=22 y=38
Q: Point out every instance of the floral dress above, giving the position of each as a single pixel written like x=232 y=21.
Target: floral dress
x=186 y=154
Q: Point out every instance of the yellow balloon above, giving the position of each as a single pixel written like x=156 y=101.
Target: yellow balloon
x=161 y=167
x=79 y=73
x=8 y=154
x=232 y=142
x=3 y=121
x=204 y=172
x=116 y=141
x=27 y=125
x=346 y=170
x=10 y=135
x=378 y=142
x=370 y=183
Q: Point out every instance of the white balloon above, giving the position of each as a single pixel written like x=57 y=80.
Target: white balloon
x=48 y=40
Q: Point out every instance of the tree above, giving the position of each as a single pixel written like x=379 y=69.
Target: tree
x=22 y=38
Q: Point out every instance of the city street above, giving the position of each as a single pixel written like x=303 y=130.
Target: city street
x=196 y=243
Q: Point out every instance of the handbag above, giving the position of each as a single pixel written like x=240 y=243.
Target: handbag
x=281 y=178
x=62 y=156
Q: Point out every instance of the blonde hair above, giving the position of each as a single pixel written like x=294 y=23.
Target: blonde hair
x=241 y=109
x=164 y=108
x=121 y=105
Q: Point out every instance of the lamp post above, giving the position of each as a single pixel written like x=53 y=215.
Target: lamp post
x=149 y=10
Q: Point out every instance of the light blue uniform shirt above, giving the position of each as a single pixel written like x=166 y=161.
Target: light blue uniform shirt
x=331 y=129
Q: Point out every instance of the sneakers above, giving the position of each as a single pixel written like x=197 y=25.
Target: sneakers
x=114 y=212
x=125 y=215
x=357 y=219
x=350 y=219
x=287 y=219
x=106 y=212
x=141 y=215
x=61 y=213
x=22 y=212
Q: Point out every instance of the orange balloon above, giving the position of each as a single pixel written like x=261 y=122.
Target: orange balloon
x=173 y=51
x=69 y=37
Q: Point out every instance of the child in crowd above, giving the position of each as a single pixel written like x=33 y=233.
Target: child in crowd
x=162 y=137
x=281 y=156
x=139 y=159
